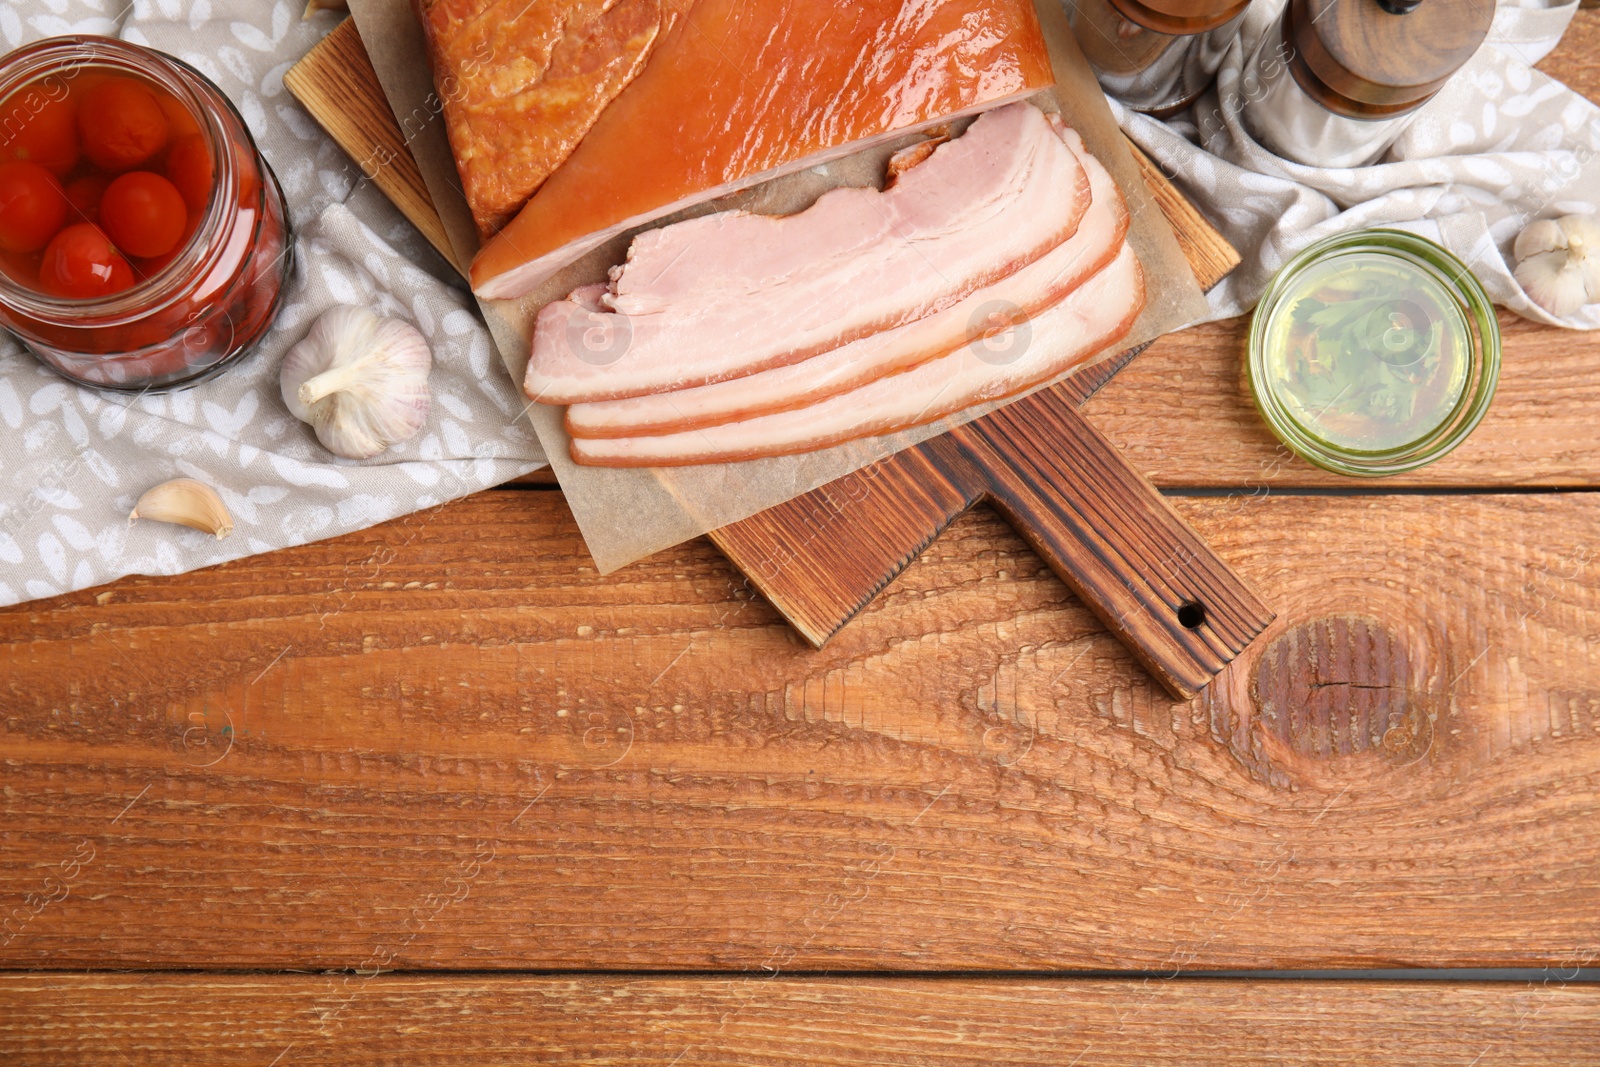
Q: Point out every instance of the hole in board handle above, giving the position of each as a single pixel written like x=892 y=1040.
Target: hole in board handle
x=1192 y=615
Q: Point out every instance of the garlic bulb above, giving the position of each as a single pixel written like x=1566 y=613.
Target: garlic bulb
x=361 y=381
x=188 y=503
x=1558 y=263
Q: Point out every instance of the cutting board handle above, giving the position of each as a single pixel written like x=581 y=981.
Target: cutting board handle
x=1098 y=523
x=1114 y=539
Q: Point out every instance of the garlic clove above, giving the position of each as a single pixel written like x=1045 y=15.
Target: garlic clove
x=1553 y=281
x=1558 y=263
x=185 y=502
x=314 y=6
x=1546 y=235
x=360 y=381
x=1583 y=246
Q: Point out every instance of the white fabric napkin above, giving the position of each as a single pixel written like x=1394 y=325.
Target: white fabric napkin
x=73 y=461
x=1500 y=146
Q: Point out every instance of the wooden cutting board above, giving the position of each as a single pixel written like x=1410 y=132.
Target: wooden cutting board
x=822 y=557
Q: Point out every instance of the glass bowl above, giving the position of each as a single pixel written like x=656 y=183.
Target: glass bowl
x=1373 y=353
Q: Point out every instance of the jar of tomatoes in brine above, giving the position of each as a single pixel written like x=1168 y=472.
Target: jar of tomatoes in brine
x=144 y=243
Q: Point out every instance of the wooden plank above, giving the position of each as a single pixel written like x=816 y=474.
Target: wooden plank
x=223 y=1020
x=1576 y=60
x=337 y=85
x=446 y=738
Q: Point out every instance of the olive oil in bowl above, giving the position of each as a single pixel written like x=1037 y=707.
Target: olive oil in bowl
x=1373 y=353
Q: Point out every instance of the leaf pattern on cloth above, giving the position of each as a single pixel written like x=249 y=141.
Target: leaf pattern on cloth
x=73 y=461
x=1500 y=146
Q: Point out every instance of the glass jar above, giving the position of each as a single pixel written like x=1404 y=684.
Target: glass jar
x=1373 y=353
x=191 y=312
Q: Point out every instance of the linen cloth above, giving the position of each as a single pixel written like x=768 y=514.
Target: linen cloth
x=73 y=461
x=1500 y=146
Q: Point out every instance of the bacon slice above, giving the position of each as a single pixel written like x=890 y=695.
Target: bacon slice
x=741 y=91
x=1036 y=287
x=1097 y=315
x=731 y=294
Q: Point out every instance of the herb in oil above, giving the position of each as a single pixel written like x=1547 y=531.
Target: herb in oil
x=1369 y=352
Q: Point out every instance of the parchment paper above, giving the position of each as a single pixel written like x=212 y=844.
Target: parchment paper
x=626 y=515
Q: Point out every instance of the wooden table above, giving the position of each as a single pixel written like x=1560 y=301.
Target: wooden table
x=437 y=793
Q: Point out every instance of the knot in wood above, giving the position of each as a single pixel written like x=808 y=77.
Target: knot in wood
x=1343 y=685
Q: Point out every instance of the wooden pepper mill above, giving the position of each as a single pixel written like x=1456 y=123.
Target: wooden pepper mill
x=1156 y=56
x=1337 y=81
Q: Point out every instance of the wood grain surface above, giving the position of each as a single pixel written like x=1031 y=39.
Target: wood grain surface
x=238 y=1021
x=1182 y=414
x=445 y=743
x=1208 y=253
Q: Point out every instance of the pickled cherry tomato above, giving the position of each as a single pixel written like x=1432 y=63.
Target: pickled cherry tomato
x=32 y=207
x=189 y=168
x=81 y=263
x=20 y=268
x=84 y=195
x=144 y=214
x=150 y=267
x=41 y=131
x=122 y=124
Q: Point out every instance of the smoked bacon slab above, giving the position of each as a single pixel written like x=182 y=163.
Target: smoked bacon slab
x=521 y=82
x=740 y=91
